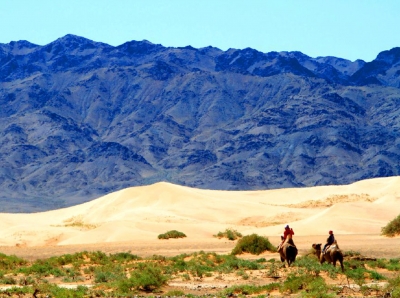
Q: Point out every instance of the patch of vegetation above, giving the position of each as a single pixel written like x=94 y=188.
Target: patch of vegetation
x=77 y=222
x=230 y=234
x=147 y=277
x=172 y=234
x=10 y=262
x=351 y=253
x=392 y=228
x=127 y=275
x=253 y=244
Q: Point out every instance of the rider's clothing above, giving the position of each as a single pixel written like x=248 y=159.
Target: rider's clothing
x=287 y=232
x=329 y=241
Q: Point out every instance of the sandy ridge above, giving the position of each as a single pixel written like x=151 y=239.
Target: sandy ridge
x=139 y=214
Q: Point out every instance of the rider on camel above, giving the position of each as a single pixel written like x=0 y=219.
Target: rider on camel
x=329 y=241
x=287 y=233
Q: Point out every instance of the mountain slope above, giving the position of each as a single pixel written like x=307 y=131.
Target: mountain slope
x=81 y=119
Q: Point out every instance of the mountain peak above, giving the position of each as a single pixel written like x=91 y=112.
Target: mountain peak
x=20 y=47
x=143 y=47
x=20 y=44
x=392 y=56
x=73 y=43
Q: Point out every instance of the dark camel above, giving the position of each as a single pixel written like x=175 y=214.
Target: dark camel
x=332 y=254
x=288 y=251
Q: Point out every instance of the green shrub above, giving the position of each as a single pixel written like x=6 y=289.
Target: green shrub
x=124 y=257
x=376 y=275
x=230 y=234
x=42 y=268
x=253 y=244
x=317 y=288
x=310 y=264
x=10 y=262
x=392 y=228
x=20 y=291
x=54 y=291
x=28 y=280
x=98 y=257
x=8 y=280
x=76 y=258
x=357 y=274
x=147 y=277
x=297 y=281
x=107 y=273
x=394 y=265
x=171 y=234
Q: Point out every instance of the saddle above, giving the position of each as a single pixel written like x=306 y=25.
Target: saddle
x=332 y=246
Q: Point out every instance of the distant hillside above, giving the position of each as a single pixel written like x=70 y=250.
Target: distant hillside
x=81 y=119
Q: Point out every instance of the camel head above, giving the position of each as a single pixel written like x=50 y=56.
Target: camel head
x=317 y=246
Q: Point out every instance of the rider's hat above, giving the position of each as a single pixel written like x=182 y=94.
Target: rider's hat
x=330 y=232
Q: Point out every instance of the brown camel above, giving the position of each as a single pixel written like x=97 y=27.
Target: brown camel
x=332 y=254
x=288 y=251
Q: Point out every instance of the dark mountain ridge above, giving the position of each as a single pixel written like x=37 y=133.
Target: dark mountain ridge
x=81 y=119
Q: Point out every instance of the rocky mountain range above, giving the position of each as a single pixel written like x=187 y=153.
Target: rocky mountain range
x=80 y=119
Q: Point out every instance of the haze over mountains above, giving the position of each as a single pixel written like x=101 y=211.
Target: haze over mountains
x=81 y=119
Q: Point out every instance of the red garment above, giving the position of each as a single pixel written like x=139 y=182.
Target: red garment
x=287 y=232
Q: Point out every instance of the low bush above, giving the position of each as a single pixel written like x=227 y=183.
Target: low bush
x=357 y=275
x=310 y=264
x=147 y=277
x=230 y=234
x=394 y=265
x=55 y=291
x=108 y=273
x=124 y=257
x=253 y=244
x=392 y=228
x=296 y=281
x=317 y=288
x=10 y=262
x=172 y=234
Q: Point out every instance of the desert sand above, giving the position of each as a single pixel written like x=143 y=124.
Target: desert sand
x=131 y=219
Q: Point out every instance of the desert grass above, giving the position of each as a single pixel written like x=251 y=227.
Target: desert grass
x=97 y=274
x=230 y=234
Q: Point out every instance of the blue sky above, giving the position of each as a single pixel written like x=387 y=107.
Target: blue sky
x=349 y=29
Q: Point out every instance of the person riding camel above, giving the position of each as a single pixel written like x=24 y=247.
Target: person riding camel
x=287 y=234
x=329 y=241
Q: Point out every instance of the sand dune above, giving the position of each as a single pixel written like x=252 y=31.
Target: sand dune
x=142 y=213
